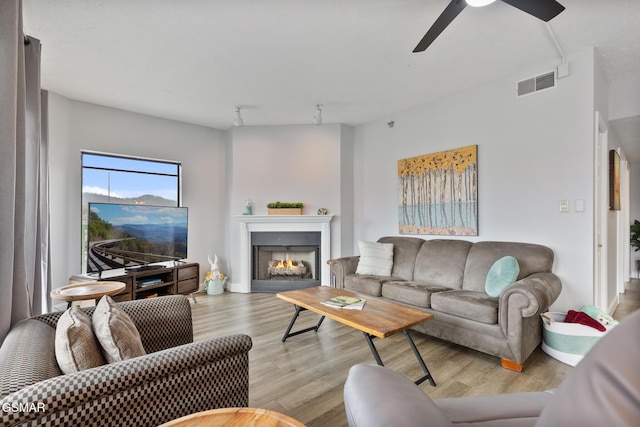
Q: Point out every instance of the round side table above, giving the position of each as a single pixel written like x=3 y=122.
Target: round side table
x=235 y=417
x=86 y=291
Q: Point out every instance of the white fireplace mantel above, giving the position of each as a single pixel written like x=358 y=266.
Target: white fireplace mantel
x=256 y=223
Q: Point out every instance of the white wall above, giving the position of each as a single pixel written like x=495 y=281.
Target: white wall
x=346 y=194
x=624 y=99
x=533 y=152
x=624 y=102
x=634 y=209
x=302 y=163
x=76 y=126
x=310 y=163
x=615 y=239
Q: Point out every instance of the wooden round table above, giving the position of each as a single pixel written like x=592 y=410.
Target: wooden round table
x=86 y=291
x=235 y=417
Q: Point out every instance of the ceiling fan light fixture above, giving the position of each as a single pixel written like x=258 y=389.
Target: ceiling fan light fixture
x=479 y=3
x=544 y=10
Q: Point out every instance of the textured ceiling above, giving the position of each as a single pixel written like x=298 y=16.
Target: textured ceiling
x=196 y=60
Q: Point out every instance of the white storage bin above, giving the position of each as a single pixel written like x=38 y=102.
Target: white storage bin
x=567 y=342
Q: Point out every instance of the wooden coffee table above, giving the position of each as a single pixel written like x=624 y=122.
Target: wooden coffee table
x=378 y=318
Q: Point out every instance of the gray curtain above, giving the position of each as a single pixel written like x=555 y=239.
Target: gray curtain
x=24 y=204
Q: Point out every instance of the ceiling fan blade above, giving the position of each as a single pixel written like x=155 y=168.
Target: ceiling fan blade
x=542 y=9
x=449 y=14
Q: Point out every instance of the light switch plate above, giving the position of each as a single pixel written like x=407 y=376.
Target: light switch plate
x=564 y=206
x=579 y=205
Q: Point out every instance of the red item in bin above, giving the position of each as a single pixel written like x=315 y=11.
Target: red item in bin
x=584 y=319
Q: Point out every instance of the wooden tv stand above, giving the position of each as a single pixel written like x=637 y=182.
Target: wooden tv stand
x=146 y=283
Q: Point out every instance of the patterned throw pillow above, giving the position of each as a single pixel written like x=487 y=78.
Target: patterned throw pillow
x=116 y=332
x=76 y=345
x=376 y=259
x=502 y=273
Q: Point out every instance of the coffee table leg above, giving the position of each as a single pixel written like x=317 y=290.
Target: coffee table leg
x=420 y=360
x=376 y=355
x=288 y=332
x=373 y=349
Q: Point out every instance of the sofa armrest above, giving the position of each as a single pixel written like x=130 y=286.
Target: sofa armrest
x=377 y=396
x=341 y=267
x=531 y=295
x=520 y=305
x=147 y=390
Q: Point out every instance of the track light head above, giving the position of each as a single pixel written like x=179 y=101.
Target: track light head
x=239 y=121
x=317 y=118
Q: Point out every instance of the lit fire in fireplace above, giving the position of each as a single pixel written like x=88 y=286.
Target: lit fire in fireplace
x=286 y=267
x=285 y=264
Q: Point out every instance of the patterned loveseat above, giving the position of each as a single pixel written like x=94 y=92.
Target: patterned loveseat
x=176 y=377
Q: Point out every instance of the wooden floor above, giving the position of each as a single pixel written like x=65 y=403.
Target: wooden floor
x=304 y=377
x=629 y=301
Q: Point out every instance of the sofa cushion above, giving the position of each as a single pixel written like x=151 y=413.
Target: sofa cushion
x=471 y=305
x=502 y=273
x=531 y=259
x=405 y=250
x=376 y=259
x=370 y=285
x=441 y=262
x=76 y=346
x=116 y=332
x=417 y=294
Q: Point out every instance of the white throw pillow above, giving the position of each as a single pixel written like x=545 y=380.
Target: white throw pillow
x=376 y=259
x=118 y=335
x=76 y=346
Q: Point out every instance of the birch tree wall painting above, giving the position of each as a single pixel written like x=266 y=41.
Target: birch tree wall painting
x=438 y=193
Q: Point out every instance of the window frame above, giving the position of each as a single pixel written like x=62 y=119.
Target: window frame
x=85 y=204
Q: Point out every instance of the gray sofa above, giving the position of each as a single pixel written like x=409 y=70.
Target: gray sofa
x=447 y=278
x=176 y=377
x=602 y=390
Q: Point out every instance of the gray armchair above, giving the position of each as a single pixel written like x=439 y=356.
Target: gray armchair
x=176 y=377
x=603 y=390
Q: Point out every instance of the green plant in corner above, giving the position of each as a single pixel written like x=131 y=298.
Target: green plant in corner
x=635 y=235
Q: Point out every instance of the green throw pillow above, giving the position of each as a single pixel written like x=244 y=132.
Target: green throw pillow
x=502 y=273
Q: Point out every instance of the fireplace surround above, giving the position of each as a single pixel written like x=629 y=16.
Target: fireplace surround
x=313 y=254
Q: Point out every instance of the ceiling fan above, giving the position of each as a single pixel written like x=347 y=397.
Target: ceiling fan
x=542 y=9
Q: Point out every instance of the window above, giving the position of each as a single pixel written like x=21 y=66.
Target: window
x=110 y=178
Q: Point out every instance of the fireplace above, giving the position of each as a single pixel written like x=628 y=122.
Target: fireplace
x=312 y=258
x=282 y=261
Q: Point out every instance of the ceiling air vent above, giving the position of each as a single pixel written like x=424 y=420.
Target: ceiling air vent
x=536 y=84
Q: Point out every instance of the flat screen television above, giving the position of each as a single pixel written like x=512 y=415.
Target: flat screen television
x=127 y=236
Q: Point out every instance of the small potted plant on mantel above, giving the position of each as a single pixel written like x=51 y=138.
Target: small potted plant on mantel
x=282 y=208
